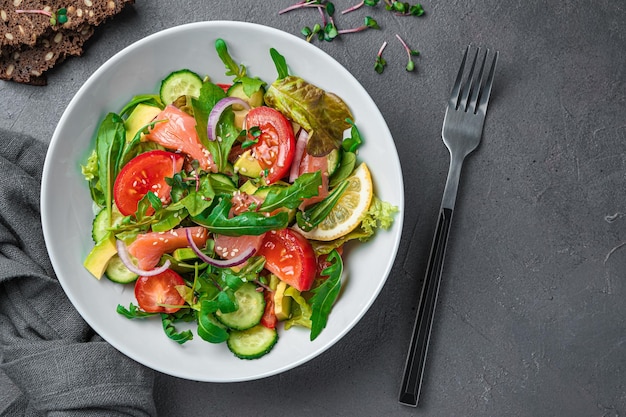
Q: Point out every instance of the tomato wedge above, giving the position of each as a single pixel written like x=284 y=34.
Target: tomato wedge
x=290 y=257
x=158 y=294
x=276 y=144
x=269 y=318
x=146 y=172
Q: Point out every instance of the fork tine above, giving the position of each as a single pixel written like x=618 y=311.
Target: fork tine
x=485 y=92
x=456 y=89
x=469 y=85
x=477 y=81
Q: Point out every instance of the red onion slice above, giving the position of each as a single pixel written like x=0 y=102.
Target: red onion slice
x=122 y=251
x=216 y=113
x=303 y=137
x=221 y=263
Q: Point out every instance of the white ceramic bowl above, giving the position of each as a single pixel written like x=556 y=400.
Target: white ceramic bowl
x=67 y=208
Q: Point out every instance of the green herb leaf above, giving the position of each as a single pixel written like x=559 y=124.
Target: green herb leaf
x=246 y=223
x=305 y=186
x=326 y=294
x=199 y=197
x=110 y=142
x=172 y=333
x=355 y=140
x=209 y=328
x=314 y=215
x=280 y=62
x=149 y=99
x=133 y=312
x=210 y=94
x=348 y=162
x=232 y=68
x=321 y=113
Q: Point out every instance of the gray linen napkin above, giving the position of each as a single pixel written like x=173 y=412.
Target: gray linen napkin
x=51 y=362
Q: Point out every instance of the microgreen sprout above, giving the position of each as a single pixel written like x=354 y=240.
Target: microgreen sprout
x=380 y=64
x=404 y=8
x=368 y=24
x=327 y=29
x=59 y=17
x=252 y=137
x=357 y=6
x=410 y=66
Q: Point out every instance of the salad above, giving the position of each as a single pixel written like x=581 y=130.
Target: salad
x=228 y=205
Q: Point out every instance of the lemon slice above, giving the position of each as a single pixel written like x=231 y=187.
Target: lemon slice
x=347 y=213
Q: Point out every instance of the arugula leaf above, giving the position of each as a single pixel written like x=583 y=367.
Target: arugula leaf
x=172 y=333
x=150 y=200
x=210 y=94
x=305 y=186
x=230 y=279
x=246 y=223
x=231 y=66
x=226 y=301
x=355 y=140
x=314 y=215
x=199 y=197
x=133 y=312
x=251 y=85
x=348 y=162
x=326 y=294
x=321 y=113
x=209 y=328
x=110 y=142
x=280 y=62
x=149 y=99
x=168 y=219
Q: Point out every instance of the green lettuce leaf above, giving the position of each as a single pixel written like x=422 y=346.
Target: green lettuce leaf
x=321 y=113
x=300 y=310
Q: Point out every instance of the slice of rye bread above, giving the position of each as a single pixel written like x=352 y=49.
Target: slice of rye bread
x=18 y=29
x=27 y=65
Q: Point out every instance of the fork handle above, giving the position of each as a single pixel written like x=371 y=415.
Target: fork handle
x=416 y=358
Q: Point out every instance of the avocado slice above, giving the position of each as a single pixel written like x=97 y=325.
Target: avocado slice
x=99 y=257
x=248 y=166
x=141 y=115
x=282 y=303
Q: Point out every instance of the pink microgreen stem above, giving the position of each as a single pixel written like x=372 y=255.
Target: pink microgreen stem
x=300 y=5
x=353 y=8
x=43 y=12
x=382 y=48
x=410 y=53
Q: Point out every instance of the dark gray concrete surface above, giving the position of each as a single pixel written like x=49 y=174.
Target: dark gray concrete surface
x=531 y=314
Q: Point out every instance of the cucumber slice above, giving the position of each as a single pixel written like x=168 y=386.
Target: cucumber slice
x=180 y=83
x=236 y=90
x=252 y=343
x=100 y=225
x=117 y=272
x=222 y=183
x=251 y=307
